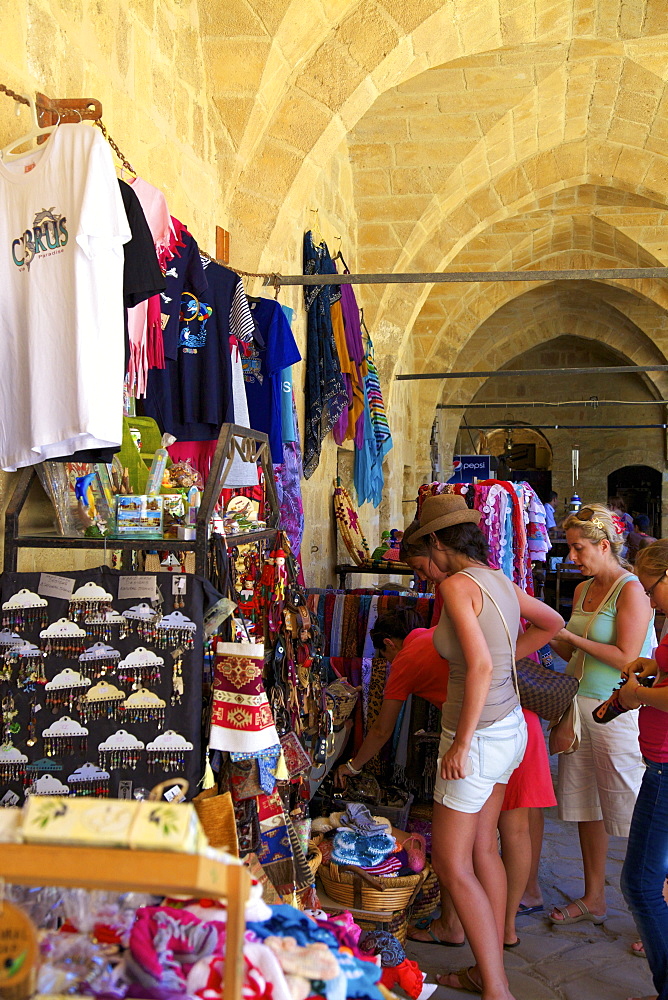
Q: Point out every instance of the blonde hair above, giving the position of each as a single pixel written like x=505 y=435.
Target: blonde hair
x=599 y=525
x=654 y=559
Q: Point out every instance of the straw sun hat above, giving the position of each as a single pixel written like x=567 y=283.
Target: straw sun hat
x=442 y=511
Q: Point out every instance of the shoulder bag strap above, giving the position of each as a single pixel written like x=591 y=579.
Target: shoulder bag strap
x=487 y=593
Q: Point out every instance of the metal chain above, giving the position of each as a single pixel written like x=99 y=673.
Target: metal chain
x=100 y=124
x=274 y=277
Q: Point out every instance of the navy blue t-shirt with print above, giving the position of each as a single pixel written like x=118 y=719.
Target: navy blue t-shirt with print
x=184 y=274
x=263 y=370
x=192 y=397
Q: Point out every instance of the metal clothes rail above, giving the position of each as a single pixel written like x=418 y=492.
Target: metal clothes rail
x=441 y=277
x=504 y=373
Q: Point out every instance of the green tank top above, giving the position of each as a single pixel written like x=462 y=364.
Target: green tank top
x=599 y=679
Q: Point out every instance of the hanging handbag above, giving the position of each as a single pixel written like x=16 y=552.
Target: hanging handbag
x=548 y=693
x=565 y=732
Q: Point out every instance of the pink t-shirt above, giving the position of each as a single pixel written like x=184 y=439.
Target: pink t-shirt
x=652 y=721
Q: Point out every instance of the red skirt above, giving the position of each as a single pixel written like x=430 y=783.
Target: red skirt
x=530 y=784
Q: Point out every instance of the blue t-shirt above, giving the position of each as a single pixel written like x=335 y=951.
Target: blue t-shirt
x=192 y=396
x=263 y=371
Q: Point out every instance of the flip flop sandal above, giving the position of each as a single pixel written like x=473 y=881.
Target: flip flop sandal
x=584 y=914
x=514 y=944
x=524 y=911
x=434 y=939
x=466 y=984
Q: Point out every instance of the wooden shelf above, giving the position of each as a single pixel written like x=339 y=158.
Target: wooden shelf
x=157 y=872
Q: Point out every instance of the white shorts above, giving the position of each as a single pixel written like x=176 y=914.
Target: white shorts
x=601 y=779
x=495 y=753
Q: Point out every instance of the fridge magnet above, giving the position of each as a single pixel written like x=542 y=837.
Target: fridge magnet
x=47 y=785
x=175 y=630
x=121 y=750
x=142 y=619
x=25 y=610
x=90 y=599
x=63 y=737
x=89 y=780
x=168 y=751
x=140 y=668
x=102 y=701
x=98 y=659
x=144 y=706
x=63 y=638
x=65 y=689
x=108 y=626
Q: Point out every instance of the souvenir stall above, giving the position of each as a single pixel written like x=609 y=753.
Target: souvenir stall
x=181 y=700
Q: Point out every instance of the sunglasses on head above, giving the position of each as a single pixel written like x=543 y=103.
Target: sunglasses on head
x=587 y=514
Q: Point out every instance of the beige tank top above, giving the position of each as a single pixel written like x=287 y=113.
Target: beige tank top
x=502 y=697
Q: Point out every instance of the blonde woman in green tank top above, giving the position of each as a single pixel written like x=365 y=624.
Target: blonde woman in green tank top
x=611 y=625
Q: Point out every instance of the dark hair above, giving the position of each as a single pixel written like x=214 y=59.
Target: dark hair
x=554 y=496
x=466 y=538
x=642 y=522
x=411 y=548
x=394 y=625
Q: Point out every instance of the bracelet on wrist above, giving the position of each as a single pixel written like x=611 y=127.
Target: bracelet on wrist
x=353 y=770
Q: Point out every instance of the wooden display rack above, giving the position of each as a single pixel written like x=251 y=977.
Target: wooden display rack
x=156 y=872
x=251 y=446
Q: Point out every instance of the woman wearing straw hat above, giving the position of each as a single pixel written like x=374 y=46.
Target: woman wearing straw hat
x=483 y=732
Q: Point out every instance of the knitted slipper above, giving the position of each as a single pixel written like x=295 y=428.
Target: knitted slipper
x=466 y=984
x=584 y=914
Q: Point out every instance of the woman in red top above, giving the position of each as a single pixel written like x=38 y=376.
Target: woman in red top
x=646 y=863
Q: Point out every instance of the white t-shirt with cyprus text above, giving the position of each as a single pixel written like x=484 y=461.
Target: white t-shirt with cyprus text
x=62 y=230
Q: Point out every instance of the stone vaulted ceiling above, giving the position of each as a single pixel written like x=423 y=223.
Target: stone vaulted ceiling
x=486 y=135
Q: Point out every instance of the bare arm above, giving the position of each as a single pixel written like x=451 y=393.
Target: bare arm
x=562 y=646
x=376 y=738
x=633 y=695
x=459 y=594
x=633 y=617
x=544 y=624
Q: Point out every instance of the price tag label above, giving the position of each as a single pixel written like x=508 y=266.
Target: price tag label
x=131 y=587
x=51 y=585
x=179 y=584
x=172 y=792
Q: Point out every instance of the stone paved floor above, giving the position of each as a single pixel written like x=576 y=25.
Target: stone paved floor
x=580 y=962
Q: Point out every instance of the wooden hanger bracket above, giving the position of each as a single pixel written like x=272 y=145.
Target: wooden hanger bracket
x=68 y=109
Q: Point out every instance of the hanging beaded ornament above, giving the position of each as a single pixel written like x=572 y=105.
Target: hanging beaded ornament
x=121 y=750
x=142 y=619
x=47 y=785
x=101 y=702
x=106 y=625
x=25 y=610
x=98 y=659
x=140 y=668
x=175 y=630
x=65 y=689
x=90 y=599
x=144 y=706
x=89 y=780
x=168 y=751
x=63 y=737
x=12 y=764
x=30 y=662
x=63 y=638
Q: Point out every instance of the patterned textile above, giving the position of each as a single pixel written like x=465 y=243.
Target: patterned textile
x=379 y=672
x=275 y=852
x=288 y=487
x=326 y=395
x=241 y=718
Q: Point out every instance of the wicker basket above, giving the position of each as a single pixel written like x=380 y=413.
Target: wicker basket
x=313 y=858
x=396 y=923
x=355 y=888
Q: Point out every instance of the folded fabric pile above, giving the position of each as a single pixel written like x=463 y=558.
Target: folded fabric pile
x=397 y=969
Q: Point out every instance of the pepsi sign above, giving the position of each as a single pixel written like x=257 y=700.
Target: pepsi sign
x=466 y=468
